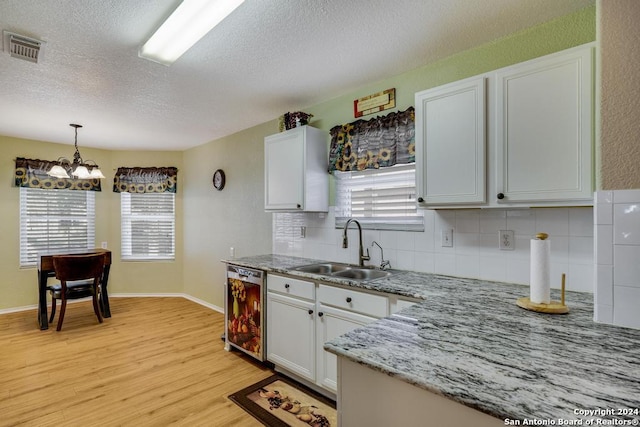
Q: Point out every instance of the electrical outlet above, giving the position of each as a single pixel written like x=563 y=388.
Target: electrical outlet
x=104 y=245
x=232 y=252
x=446 y=238
x=507 y=240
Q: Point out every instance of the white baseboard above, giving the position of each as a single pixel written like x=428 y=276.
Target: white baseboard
x=204 y=303
x=145 y=295
x=17 y=309
x=137 y=295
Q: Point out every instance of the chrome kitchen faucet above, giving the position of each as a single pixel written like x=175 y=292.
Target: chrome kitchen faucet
x=384 y=264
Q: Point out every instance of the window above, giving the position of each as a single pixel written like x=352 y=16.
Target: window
x=382 y=198
x=148 y=226
x=55 y=220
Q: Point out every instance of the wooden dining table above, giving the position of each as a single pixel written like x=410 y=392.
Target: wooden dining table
x=45 y=270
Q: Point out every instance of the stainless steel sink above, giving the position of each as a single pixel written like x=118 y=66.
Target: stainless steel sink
x=323 y=268
x=346 y=271
x=362 y=274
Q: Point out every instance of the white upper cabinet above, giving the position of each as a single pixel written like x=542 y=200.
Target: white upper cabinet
x=450 y=143
x=544 y=129
x=516 y=137
x=296 y=177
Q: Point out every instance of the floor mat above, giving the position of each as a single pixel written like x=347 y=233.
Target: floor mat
x=279 y=402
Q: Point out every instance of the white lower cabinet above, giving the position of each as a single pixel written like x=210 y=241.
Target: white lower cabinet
x=291 y=334
x=333 y=322
x=303 y=315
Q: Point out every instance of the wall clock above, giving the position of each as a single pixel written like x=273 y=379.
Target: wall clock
x=218 y=179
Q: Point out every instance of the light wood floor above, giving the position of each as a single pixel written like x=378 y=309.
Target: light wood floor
x=155 y=362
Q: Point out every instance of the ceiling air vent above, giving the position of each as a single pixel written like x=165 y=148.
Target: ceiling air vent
x=22 y=47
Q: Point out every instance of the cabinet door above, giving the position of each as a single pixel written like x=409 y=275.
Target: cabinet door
x=333 y=322
x=544 y=129
x=291 y=334
x=451 y=143
x=284 y=170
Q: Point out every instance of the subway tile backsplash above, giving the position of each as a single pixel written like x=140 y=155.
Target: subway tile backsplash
x=598 y=248
x=475 y=251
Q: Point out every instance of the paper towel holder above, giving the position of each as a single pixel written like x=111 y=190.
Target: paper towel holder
x=554 y=307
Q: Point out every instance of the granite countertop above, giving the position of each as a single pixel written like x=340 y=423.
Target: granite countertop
x=469 y=341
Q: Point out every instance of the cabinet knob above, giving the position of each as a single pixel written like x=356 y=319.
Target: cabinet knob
x=420 y=200
x=500 y=196
x=310 y=311
x=320 y=314
x=298 y=206
x=286 y=286
x=349 y=299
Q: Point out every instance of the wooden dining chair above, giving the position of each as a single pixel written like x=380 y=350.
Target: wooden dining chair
x=80 y=277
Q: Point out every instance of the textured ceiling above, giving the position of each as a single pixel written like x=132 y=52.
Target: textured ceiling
x=267 y=58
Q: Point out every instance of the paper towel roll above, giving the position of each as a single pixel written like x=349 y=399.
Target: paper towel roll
x=540 y=291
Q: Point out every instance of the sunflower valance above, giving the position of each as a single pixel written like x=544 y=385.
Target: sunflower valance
x=375 y=143
x=32 y=173
x=146 y=180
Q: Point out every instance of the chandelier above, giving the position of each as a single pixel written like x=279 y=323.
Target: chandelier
x=78 y=168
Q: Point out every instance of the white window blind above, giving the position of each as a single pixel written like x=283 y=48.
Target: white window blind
x=52 y=220
x=379 y=198
x=148 y=226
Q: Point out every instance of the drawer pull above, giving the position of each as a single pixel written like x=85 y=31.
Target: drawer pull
x=349 y=299
x=286 y=286
x=320 y=314
x=310 y=311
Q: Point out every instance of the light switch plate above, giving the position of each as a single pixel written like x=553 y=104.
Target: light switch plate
x=446 y=238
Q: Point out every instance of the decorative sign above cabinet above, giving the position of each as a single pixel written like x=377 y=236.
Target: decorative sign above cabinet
x=374 y=103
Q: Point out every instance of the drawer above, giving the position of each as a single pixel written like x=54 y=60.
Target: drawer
x=293 y=287
x=361 y=302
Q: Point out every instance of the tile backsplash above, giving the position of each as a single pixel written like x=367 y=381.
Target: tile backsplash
x=475 y=252
x=617 y=257
x=598 y=248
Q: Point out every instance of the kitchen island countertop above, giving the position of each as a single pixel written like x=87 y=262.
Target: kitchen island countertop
x=468 y=341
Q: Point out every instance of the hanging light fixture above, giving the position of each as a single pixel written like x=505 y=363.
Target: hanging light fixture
x=78 y=168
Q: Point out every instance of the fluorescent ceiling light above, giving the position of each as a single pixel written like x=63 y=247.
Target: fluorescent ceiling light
x=186 y=25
